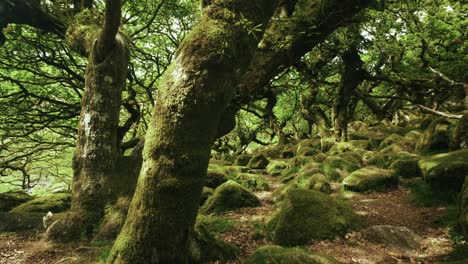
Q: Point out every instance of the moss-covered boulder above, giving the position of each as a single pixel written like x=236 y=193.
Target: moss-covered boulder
x=337 y=168
x=299 y=161
x=308 y=152
x=413 y=136
x=206 y=248
x=308 y=143
x=352 y=145
x=462 y=213
x=12 y=222
x=276 y=166
x=215 y=178
x=406 y=168
x=398 y=237
x=253 y=182
x=11 y=199
x=288 y=152
x=460 y=134
x=385 y=159
x=280 y=255
x=390 y=129
x=447 y=171
x=54 y=203
x=437 y=136
x=318 y=182
x=242 y=160
x=392 y=139
x=304 y=216
x=258 y=161
x=370 y=179
x=229 y=196
x=319 y=157
x=206 y=193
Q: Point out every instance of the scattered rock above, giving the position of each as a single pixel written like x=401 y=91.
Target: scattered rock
x=370 y=179
x=337 y=168
x=253 y=182
x=445 y=172
x=229 y=196
x=276 y=166
x=392 y=236
x=437 y=136
x=206 y=193
x=205 y=248
x=54 y=203
x=11 y=199
x=215 y=179
x=276 y=254
x=12 y=222
x=258 y=161
x=305 y=216
x=242 y=160
x=406 y=168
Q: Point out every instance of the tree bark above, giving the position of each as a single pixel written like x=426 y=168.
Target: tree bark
x=352 y=77
x=196 y=89
x=97 y=144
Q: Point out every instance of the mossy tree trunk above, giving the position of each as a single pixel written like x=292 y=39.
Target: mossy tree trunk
x=97 y=143
x=351 y=78
x=196 y=89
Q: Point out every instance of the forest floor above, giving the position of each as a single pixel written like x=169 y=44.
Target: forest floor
x=395 y=207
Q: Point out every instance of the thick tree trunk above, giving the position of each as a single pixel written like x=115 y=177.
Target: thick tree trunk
x=196 y=89
x=352 y=77
x=97 y=144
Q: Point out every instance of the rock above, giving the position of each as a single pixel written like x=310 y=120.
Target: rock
x=437 y=136
x=276 y=254
x=276 y=166
x=308 y=143
x=206 y=193
x=392 y=139
x=258 y=161
x=385 y=159
x=413 y=136
x=308 y=152
x=54 y=203
x=370 y=179
x=306 y=216
x=460 y=135
x=318 y=182
x=406 y=168
x=392 y=236
x=445 y=172
x=299 y=161
x=253 y=182
x=462 y=213
x=352 y=145
x=229 y=196
x=337 y=168
x=11 y=199
x=215 y=179
x=12 y=222
x=206 y=248
x=319 y=157
x=288 y=152
x=242 y=160
x=390 y=129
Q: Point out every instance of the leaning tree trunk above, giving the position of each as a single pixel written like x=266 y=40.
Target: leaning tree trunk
x=196 y=89
x=351 y=79
x=97 y=144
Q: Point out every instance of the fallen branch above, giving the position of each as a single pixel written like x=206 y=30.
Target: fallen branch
x=448 y=115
